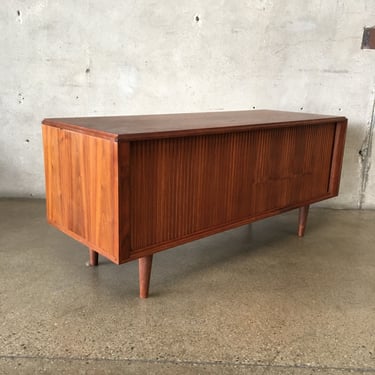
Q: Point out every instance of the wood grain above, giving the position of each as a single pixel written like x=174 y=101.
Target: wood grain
x=188 y=187
x=130 y=186
x=159 y=181
x=302 y=220
x=142 y=127
x=82 y=188
x=337 y=157
x=144 y=269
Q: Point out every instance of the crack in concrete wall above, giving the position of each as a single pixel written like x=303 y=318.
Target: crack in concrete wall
x=365 y=158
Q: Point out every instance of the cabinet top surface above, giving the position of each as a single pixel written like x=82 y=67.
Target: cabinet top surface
x=184 y=124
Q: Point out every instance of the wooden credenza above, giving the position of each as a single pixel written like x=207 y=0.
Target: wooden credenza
x=130 y=186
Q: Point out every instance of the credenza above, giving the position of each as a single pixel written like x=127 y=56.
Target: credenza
x=130 y=186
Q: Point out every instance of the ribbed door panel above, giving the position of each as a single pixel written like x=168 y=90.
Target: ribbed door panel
x=181 y=186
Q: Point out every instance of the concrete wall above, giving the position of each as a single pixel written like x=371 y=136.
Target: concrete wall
x=66 y=58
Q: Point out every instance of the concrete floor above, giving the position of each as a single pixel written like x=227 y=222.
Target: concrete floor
x=256 y=299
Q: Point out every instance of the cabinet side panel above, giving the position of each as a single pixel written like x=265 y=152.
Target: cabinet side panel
x=337 y=157
x=81 y=188
x=186 y=187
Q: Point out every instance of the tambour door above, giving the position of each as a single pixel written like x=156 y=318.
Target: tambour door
x=186 y=187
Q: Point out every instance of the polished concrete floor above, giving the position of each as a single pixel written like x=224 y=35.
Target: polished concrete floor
x=254 y=300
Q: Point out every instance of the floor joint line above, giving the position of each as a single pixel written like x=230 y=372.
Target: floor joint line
x=191 y=362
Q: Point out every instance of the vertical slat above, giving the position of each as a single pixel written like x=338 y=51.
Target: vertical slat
x=122 y=198
x=181 y=186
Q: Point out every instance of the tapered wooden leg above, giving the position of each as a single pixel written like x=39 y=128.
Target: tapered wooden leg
x=93 y=261
x=145 y=264
x=303 y=212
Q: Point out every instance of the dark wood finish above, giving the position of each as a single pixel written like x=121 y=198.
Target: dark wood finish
x=131 y=128
x=337 y=157
x=303 y=212
x=130 y=186
x=93 y=258
x=192 y=185
x=144 y=265
x=124 y=201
